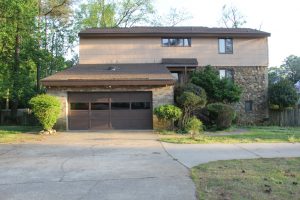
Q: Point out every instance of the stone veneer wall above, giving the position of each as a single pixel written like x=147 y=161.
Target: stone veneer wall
x=160 y=95
x=254 y=81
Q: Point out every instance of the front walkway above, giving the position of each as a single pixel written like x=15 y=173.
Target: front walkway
x=193 y=154
x=107 y=166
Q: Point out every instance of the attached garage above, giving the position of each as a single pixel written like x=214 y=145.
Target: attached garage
x=110 y=110
x=110 y=96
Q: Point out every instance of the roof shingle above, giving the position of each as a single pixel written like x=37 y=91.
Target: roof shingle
x=111 y=74
x=176 y=31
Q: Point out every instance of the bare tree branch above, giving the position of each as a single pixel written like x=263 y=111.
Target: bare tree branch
x=54 y=7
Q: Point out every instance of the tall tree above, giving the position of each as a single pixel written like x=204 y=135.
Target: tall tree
x=17 y=17
x=291 y=66
x=113 y=13
x=53 y=36
x=231 y=17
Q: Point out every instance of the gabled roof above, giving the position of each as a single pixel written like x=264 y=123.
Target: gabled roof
x=111 y=74
x=180 y=31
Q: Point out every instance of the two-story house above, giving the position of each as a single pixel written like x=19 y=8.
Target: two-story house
x=123 y=73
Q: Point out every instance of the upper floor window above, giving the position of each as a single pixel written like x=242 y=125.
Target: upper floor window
x=226 y=73
x=225 y=45
x=176 y=42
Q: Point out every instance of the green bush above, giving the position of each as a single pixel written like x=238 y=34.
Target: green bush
x=190 y=98
x=221 y=115
x=283 y=94
x=168 y=112
x=217 y=90
x=47 y=109
x=193 y=126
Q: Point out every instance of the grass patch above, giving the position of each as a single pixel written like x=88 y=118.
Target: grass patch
x=276 y=178
x=253 y=134
x=10 y=134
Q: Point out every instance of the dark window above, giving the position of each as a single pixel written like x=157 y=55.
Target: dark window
x=225 y=45
x=176 y=42
x=99 y=106
x=79 y=106
x=120 y=106
x=140 y=105
x=226 y=73
x=248 y=106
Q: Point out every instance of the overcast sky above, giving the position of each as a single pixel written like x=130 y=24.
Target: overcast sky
x=280 y=18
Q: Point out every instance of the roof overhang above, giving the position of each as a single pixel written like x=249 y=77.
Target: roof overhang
x=178 y=31
x=111 y=75
x=136 y=35
x=66 y=83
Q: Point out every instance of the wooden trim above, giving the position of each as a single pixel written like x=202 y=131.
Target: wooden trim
x=106 y=82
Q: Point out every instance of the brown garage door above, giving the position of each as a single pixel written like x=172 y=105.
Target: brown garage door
x=110 y=110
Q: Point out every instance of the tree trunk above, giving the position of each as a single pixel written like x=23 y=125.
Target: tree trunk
x=15 y=79
x=38 y=66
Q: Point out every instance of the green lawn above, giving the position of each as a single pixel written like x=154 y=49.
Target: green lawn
x=9 y=134
x=268 y=134
x=255 y=179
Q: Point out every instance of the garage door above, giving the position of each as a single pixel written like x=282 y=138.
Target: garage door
x=110 y=110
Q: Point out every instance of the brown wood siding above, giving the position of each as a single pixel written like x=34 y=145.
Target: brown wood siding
x=246 y=51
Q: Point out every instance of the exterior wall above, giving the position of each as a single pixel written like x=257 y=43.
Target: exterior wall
x=160 y=95
x=246 y=51
x=254 y=82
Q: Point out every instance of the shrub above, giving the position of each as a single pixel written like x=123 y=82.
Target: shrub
x=190 y=102
x=189 y=98
x=168 y=112
x=193 y=126
x=47 y=109
x=283 y=94
x=221 y=114
x=217 y=90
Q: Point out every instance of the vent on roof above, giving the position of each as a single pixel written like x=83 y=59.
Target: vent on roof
x=113 y=68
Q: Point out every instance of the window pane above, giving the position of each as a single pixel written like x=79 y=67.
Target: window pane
x=248 y=106
x=228 y=46
x=222 y=73
x=79 y=106
x=173 y=41
x=187 y=42
x=165 y=42
x=229 y=74
x=221 y=45
x=140 y=105
x=99 y=106
x=179 y=42
x=120 y=106
x=175 y=75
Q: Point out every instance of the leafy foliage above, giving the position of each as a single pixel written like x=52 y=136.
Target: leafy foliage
x=190 y=100
x=291 y=67
x=217 y=90
x=47 y=110
x=283 y=94
x=193 y=126
x=221 y=114
x=168 y=112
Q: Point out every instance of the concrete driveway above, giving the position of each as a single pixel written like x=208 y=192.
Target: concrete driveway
x=85 y=165
x=191 y=155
